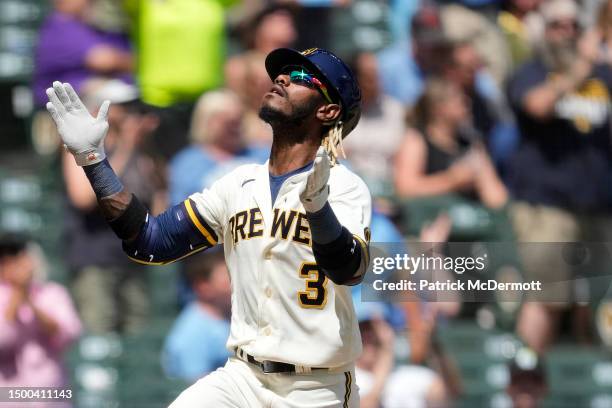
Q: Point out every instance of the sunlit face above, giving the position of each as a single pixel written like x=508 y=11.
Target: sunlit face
x=562 y=31
x=291 y=102
x=217 y=288
x=225 y=128
x=466 y=63
x=525 y=6
x=73 y=7
x=454 y=107
x=368 y=76
x=370 y=345
x=278 y=28
x=527 y=392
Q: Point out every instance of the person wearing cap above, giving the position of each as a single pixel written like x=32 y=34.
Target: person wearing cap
x=110 y=292
x=295 y=232
x=560 y=174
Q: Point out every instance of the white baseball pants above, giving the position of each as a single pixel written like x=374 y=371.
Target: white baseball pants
x=242 y=385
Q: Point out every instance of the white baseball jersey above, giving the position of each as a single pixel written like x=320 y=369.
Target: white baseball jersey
x=283 y=308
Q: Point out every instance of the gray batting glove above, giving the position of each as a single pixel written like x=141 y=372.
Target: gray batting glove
x=315 y=191
x=82 y=134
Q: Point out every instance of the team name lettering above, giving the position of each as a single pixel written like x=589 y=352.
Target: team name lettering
x=286 y=224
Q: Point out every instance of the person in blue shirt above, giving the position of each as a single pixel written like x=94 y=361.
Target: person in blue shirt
x=195 y=344
x=218 y=145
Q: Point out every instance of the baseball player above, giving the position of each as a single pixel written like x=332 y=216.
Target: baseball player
x=295 y=235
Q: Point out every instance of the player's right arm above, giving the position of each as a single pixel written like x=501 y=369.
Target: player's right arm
x=173 y=234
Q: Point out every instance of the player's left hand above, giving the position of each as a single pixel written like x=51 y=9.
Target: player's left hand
x=315 y=191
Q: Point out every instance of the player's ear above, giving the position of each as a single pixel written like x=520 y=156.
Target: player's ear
x=328 y=113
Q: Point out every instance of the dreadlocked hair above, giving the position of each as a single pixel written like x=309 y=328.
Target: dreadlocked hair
x=332 y=142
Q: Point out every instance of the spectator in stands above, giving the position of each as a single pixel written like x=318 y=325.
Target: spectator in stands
x=490 y=114
x=560 y=175
x=245 y=74
x=110 y=291
x=37 y=321
x=195 y=345
x=438 y=156
x=71 y=50
x=601 y=31
x=528 y=385
x=218 y=145
x=465 y=25
x=402 y=69
x=380 y=382
x=438 y=51
x=375 y=141
x=180 y=48
x=521 y=26
x=376 y=362
x=399 y=12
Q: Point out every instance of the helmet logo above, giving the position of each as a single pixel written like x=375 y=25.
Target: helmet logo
x=309 y=51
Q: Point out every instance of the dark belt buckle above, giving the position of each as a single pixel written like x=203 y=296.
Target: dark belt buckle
x=268 y=367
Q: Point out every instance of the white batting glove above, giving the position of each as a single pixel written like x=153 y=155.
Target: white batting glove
x=82 y=134
x=315 y=191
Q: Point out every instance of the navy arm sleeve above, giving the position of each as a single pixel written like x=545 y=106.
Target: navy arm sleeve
x=336 y=250
x=177 y=232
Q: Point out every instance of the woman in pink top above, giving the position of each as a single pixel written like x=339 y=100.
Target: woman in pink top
x=37 y=321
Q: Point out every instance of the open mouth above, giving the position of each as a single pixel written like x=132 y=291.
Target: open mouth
x=278 y=90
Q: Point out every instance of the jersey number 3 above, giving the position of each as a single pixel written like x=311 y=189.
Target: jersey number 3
x=315 y=295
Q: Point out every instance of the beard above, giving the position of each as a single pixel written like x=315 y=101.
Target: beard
x=559 y=57
x=297 y=117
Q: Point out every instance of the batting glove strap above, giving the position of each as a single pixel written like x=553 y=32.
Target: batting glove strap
x=89 y=157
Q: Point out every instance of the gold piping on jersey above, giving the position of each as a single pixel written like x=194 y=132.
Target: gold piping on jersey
x=365 y=249
x=211 y=237
x=140 y=261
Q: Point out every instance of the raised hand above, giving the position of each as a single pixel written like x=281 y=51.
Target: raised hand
x=82 y=134
x=315 y=191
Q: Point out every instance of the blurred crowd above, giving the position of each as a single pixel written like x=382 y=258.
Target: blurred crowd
x=502 y=106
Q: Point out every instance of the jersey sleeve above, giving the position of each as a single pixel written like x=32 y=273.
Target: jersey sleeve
x=207 y=210
x=352 y=204
x=351 y=201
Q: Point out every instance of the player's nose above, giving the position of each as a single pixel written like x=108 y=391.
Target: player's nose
x=282 y=80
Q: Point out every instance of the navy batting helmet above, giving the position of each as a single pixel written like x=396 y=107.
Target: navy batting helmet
x=329 y=69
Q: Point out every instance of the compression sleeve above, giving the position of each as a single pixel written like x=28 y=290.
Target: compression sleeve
x=177 y=232
x=172 y=235
x=338 y=253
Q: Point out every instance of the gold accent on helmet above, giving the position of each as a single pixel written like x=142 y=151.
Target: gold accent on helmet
x=309 y=51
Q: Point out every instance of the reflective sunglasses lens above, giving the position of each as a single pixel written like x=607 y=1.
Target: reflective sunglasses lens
x=301 y=77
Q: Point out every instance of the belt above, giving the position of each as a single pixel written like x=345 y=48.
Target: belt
x=274 y=367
